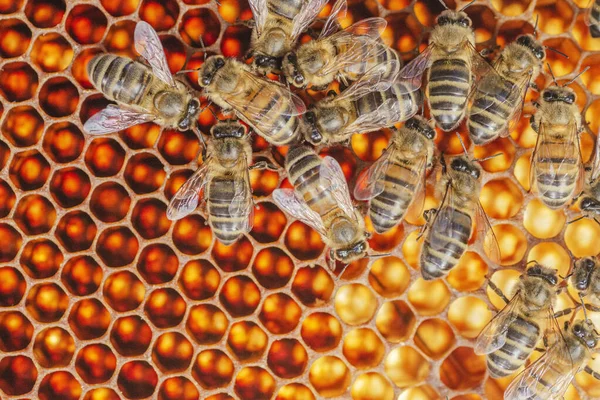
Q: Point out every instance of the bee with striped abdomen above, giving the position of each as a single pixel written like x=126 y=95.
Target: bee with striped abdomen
x=511 y=336
x=397 y=179
x=222 y=183
x=321 y=199
x=144 y=93
x=268 y=107
x=498 y=99
x=592 y=18
x=376 y=100
x=277 y=26
x=345 y=55
x=453 y=67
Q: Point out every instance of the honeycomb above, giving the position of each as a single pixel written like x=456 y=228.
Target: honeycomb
x=102 y=297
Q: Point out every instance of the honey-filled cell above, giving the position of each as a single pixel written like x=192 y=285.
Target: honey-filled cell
x=165 y=307
x=130 y=335
x=172 y=352
x=246 y=341
x=18 y=82
x=89 y=319
x=206 y=323
x=15 y=37
x=254 y=383
x=434 y=337
x=178 y=388
x=16 y=331
x=329 y=376
x=312 y=285
x=355 y=304
x=406 y=367
x=137 y=379
x=18 y=375
x=12 y=286
x=45 y=13
x=53 y=347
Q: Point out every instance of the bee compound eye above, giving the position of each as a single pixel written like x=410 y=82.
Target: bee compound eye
x=219 y=63
x=299 y=79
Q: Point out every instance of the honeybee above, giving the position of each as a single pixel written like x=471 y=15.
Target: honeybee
x=277 y=26
x=222 y=182
x=585 y=278
x=345 y=55
x=498 y=99
x=549 y=377
x=454 y=66
x=376 y=100
x=268 y=107
x=592 y=18
x=321 y=199
x=144 y=93
x=511 y=336
x=397 y=178
x=590 y=202
x=556 y=163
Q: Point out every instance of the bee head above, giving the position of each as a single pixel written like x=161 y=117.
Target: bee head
x=422 y=126
x=224 y=130
x=589 y=204
x=585 y=331
x=547 y=274
x=529 y=42
x=291 y=71
x=209 y=69
x=451 y=17
x=462 y=164
x=264 y=62
x=581 y=273
x=313 y=135
x=188 y=119
x=555 y=94
x=356 y=252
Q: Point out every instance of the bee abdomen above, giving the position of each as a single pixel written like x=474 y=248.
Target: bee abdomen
x=286 y=8
x=556 y=189
x=487 y=121
x=521 y=338
x=226 y=225
x=595 y=19
x=448 y=89
x=399 y=105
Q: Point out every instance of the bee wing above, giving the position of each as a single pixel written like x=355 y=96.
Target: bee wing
x=187 y=197
x=387 y=113
x=493 y=336
x=242 y=203
x=148 y=44
x=412 y=72
x=114 y=118
x=595 y=167
x=260 y=12
x=306 y=16
x=370 y=182
x=339 y=9
x=418 y=202
x=377 y=79
x=480 y=68
x=288 y=200
x=588 y=13
x=483 y=227
x=332 y=177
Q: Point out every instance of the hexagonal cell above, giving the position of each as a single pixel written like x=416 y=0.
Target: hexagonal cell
x=199 y=24
x=312 y=285
x=165 y=308
x=429 y=297
x=46 y=302
x=158 y=263
x=7 y=198
x=212 y=369
x=543 y=222
x=23 y=126
x=470 y=273
x=434 y=337
x=89 y=319
x=406 y=367
x=254 y=383
x=137 y=379
x=142 y=136
x=372 y=385
x=91 y=19
x=41 y=258
x=199 y=280
x=12 y=242
x=131 y=336
x=287 y=358
x=293 y=391
x=101 y=394
x=117 y=246
x=411 y=249
x=29 y=170
x=321 y=331
x=389 y=276
x=35 y=215
x=303 y=242
x=501 y=198
x=63 y=142
x=95 y=363
x=5 y=152
x=123 y=291
x=110 y=202
x=79 y=67
x=240 y=296
x=15 y=37
x=206 y=323
x=18 y=375
x=178 y=148
x=53 y=347
x=551 y=255
x=70 y=186
x=52 y=53
x=403 y=40
x=272 y=268
x=425 y=392
x=119 y=39
x=234 y=257
x=355 y=304
x=561 y=65
x=104 y=157
x=463 y=369
x=59 y=97
x=246 y=341
x=120 y=8
x=511 y=8
x=45 y=13
x=149 y=218
x=172 y=352
x=18 y=82
x=178 y=388
x=144 y=173
x=269 y=223
x=12 y=286
x=387 y=241
x=581 y=238
x=512 y=243
x=280 y=313
x=235 y=41
x=192 y=235
x=363 y=348
x=162 y=15
x=81 y=275
x=395 y=321
x=506 y=154
x=329 y=376
x=16 y=331
x=554 y=19
x=469 y=315
x=76 y=231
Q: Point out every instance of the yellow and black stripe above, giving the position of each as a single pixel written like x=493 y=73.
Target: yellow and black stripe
x=226 y=225
x=448 y=89
x=594 y=19
x=555 y=189
x=285 y=8
x=407 y=104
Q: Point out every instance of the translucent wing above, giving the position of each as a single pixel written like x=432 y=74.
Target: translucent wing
x=370 y=182
x=332 y=177
x=187 y=197
x=260 y=12
x=288 y=200
x=483 y=228
x=595 y=167
x=412 y=73
x=148 y=44
x=114 y=118
x=388 y=113
x=339 y=9
x=306 y=16
x=493 y=336
x=242 y=203
x=377 y=79
x=480 y=68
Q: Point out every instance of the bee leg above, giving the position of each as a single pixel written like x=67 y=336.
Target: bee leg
x=534 y=86
x=488 y=50
x=318 y=88
x=592 y=308
x=264 y=165
x=428 y=215
x=564 y=312
x=497 y=290
x=592 y=372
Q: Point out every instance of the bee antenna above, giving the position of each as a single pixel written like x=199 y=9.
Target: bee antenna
x=552 y=73
x=467 y=5
x=380 y=255
x=575 y=220
x=462 y=144
x=444 y=4
x=199 y=134
x=487 y=158
x=532 y=261
x=577 y=76
x=583 y=306
x=203 y=47
x=557 y=51
x=537 y=19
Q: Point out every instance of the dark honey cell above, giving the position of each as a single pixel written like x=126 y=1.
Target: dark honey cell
x=12 y=242
x=165 y=308
x=46 y=302
x=15 y=37
x=104 y=157
x=101 y=394
x=234 y=257
x=235 y=304
x=142 y=136
x=236 y=41
x=119 y=39
x=212 y=369
x=59 y=97
x=79 y=67
x=247 y=341
x=23 y=126
x=175 y=181
x=86 y=24
x=117 y=246
x=191 y=235
x=137 y=379
x=287 y=358
x=95 y=363
x=254 y=383
x=81 y=275
x=54 y=347
x=18 y=82
x=110 y=202
x=312 y=285
x=158 y=263
x=55 y=45
x=29 y=170
x=463 y=369
x=70 y=186
x=269 y=223
x=144 y=173
x=321 y=331
x=199 y=280
x=76 y=231
x=16 y=331
x=131 y=335
x=149 y=218
x=175 y=53
x=387 y=241
x=206 y=323
x=263 y=182
x=12 y=286
x=199 y=23
x=272 y=268
x=280 y=313
x=18 y=375
x=45 y=13
x=63 y=142
x=405 y=40
x=303 y=242
x=220 y=396
x=4 y=151
x=172 y=352
x=120 y=8
x=89 y=319
x=162 y=15
x=41 y=258
x=123 y=291
x=178 y=388
x=7 y=198
x=178 y=148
